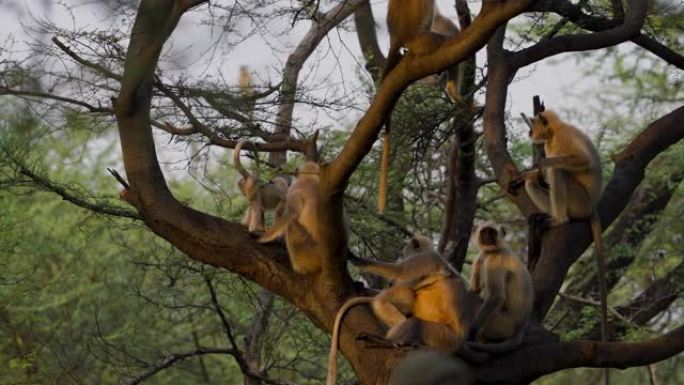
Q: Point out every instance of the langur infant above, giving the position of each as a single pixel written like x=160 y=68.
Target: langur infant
x=299 y=223
x=501 y=279
x=424 y=287
x=262 y=196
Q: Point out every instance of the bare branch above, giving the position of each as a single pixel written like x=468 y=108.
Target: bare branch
x=584 y=42
x=237 y=354
x=102 y=208
x=368 y=39
x=573 y=12
x=174 y=358
x=45 y=95
x=527 y=364
x=295 y=62
x=86 y=63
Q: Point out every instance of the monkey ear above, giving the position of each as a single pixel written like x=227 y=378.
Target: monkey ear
x=415 y=243
x=544 y=121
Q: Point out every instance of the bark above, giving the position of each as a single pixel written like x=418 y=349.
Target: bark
x=463 y=183
x=368 y=40
x=527 y=364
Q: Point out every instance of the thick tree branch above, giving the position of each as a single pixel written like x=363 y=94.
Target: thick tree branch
x=632 y=227
x=450 y=53
x=368 y=40
x=202 y=237
x=584 y=42
x=573 y=12
x=527 y=364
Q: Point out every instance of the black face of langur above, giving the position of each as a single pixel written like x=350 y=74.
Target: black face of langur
x=540 y=131
x=489 y=237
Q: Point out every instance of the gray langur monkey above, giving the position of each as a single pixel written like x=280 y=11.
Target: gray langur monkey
x=418 y=26
x=501 y=279
x=572 y=169
x=299 y=223
x=262 y=196
x=423 y=286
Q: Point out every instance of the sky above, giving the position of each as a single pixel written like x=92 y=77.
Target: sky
x=332 y=71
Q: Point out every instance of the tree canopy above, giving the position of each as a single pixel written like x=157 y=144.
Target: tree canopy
x=166 y=285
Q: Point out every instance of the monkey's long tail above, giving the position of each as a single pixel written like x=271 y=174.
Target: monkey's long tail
x=384 y=167
x=603 y=290
x=332 y=357
x=236 y=158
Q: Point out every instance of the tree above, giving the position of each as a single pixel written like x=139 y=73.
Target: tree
x=227 y=245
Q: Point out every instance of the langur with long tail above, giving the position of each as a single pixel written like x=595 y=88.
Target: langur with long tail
x=572 y=170
x=262 y=196
x=418 y=26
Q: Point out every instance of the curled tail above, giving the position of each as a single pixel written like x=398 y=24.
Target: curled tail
x=236 y=158
x=332 y=357
x=603 y=290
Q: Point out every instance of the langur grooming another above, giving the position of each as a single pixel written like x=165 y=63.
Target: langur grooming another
x=425 y=288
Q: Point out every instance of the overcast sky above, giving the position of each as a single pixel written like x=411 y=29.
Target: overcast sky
x=340 y=56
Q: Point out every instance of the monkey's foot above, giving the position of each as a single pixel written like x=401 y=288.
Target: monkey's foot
x=515 y=185
x=373 y=341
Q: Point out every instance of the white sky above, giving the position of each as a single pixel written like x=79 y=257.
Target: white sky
x=338 y=62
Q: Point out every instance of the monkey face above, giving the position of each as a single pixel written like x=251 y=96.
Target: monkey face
x=540 y=131
x=417 y=243
x=489 y=236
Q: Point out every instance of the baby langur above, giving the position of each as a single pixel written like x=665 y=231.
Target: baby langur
x=501 y=279
x=424 y=286
x=299 y=223
x=262 y=196
x=572 y=169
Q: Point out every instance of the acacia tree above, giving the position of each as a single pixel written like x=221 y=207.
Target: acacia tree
x=228 y=245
